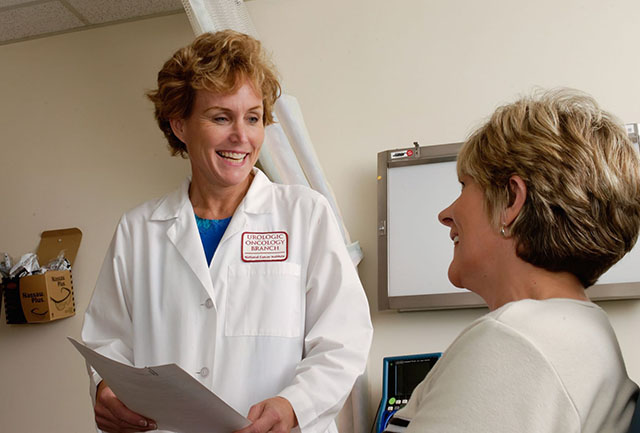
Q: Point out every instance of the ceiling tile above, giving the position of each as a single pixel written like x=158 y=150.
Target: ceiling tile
x=36 y=19
x=97 y=12
x=5 y=3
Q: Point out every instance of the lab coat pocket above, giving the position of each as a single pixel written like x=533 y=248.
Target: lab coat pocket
x=264 y=299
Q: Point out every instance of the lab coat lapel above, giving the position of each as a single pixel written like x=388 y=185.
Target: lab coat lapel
x=258 y=200
x=183 y=233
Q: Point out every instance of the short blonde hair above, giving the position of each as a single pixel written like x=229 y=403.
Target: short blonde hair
x=582 y=210
x=216 y=62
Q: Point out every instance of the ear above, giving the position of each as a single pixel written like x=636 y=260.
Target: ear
x=518 y=195
x=177 y=126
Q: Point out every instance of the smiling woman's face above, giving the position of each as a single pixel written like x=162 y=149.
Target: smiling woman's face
x=223 y=135
x=473 y=237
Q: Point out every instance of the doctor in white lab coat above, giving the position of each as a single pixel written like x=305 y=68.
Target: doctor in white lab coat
x=271 y=316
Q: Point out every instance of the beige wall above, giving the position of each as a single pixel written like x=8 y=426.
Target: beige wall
x=80 y=147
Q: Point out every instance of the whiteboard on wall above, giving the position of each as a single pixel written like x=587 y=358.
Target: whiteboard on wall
x=420 y=248
x=414 y=248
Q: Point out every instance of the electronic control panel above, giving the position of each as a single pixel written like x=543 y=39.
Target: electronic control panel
x=401 y=374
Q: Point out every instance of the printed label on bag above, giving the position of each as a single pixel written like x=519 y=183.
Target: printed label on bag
x=265 y=246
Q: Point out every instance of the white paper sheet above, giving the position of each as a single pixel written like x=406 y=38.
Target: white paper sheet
x=166 y=394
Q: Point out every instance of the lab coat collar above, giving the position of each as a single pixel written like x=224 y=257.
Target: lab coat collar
x=171 y=204
x=183 y=232
x=259 y=199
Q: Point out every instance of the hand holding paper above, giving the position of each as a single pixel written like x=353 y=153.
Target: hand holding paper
x=112 y=416
x=167 y=394
x=271 y=415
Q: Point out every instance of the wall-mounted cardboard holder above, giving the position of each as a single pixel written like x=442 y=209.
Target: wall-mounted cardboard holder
x=49 y=296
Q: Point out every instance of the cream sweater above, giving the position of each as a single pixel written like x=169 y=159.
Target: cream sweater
x=529 y=366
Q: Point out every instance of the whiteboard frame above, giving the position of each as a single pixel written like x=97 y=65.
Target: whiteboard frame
x=417 y=155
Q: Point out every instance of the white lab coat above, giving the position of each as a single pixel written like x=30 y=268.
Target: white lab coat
x=298 y=328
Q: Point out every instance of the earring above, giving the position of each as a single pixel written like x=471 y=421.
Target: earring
x=503 y=232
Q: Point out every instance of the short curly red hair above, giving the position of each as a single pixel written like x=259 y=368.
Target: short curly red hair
x=217 y=62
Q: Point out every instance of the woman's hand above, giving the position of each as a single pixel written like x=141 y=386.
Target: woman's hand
x=273 y=415
x=113 y=416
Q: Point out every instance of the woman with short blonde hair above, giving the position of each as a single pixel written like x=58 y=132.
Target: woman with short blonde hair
x=582 y=212
x=550 y=200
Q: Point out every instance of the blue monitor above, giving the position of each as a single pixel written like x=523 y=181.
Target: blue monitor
x=401 y=374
